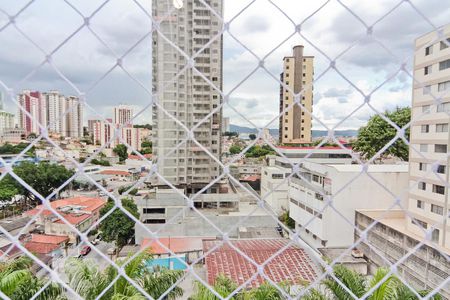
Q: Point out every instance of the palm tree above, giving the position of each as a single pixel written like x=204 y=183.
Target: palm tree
x=390 y=289
x=86 y=279
x=223 y=285
x=18 y=283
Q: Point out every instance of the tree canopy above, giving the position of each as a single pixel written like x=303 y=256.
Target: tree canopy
x=378 y=133
x=252 y=136
x=118 y=227
x=16 y=149
x=44 y=177
x=259 y=151
x=235 y=149
x=121 y=151
x=89 y=281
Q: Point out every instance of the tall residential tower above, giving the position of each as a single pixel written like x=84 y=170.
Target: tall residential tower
x=185 y=94
x=298 y=74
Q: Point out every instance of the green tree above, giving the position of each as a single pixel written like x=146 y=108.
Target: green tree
x=121 y=151
x=18 y=283
x=43 y=177
x=146 y=126
x=235 y=149
x=287 y=220
x=118 y=227
x=391 y=287
x=378 y=133
x=88 y=281
x=259 y=151
x=146 y=144
x=223 y=285
x=252 y=136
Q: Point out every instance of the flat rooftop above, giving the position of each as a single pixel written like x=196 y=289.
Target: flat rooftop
x=402 y=168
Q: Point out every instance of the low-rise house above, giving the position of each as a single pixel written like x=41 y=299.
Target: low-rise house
x=80 y=212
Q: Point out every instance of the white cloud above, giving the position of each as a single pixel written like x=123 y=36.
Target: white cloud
x=261 y=27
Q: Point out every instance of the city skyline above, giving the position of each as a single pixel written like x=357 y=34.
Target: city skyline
x=259 y=105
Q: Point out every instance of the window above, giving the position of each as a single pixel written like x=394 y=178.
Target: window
x=444 y=64
x=426 y=109
x=423 y=147
x=154 y=210
x=440 y=169
x=419 y=204
x=444 y=86
x=427 y=70
x=444 y=45
x=427 y=90
x=425 y=128
x=319 y=197
x=277 y=176
x=435 y=236
x=442 y=127
x=440 y=148
x=422 y=186
x=419 y=223
x=422 y=166
x=437 y=209
x=438 y=189
x=444 y=107
x=154 y=221
x=429 y=50
x=315 y=178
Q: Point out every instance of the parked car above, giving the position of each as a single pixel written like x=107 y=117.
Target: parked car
x=85 y=250
x=96 y=240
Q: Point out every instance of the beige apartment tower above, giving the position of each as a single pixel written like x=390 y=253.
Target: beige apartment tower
x=430 y=135
x=185 y=94
x=298 y=74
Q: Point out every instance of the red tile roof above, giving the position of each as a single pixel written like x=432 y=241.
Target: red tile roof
x=177 y=244
x=49 y=239
x=292 y=265
x=40 y=248
x=115 y=172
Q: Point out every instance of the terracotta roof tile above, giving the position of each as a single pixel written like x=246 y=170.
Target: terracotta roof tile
x=292 y=265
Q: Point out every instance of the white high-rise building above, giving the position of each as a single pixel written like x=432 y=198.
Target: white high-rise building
x=187 y=96
x=6 y=118
x=55 y=110
x=123 y=114
x=74 y=118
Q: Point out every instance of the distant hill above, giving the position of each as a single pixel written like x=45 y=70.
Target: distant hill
x=274 y=131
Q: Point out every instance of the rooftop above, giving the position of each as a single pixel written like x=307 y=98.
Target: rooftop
x=115 y=172
x=403 y=168
x=40 y=248
x=175 y=244
x=75 y=210
x=293 y=264
x=49 y=239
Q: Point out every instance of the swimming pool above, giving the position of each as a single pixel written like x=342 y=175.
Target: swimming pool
x=172 y=263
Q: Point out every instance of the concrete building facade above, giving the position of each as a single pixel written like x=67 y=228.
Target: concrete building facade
x=274 y=185
x=33 y=112
x=298 y=74
x=187 y=97
x=430 y=135
x=321 y=226
x=422 y=232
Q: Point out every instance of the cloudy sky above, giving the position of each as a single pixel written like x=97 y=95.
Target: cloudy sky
x=261 y=27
